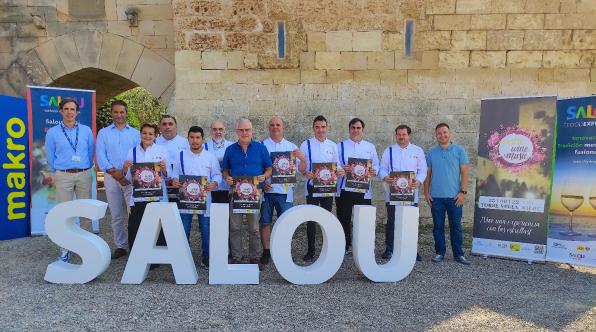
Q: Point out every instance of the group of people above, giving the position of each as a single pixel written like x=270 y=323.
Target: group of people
x=442 y=173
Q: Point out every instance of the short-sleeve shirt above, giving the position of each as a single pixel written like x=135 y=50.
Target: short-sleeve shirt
x=445 y=165
x=253 y=162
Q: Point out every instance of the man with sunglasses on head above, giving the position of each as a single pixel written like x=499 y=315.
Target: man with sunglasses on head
x=69 y=148
x=217 y=144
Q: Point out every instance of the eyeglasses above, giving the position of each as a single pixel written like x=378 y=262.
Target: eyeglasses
x=244 y=130
x=217 y=129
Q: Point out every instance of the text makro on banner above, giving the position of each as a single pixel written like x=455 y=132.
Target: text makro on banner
x=14 y=173
x=513 y=181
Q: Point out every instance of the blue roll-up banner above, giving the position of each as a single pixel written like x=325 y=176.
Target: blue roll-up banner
x=44 y=113
x=14 y=178
x=572 y=227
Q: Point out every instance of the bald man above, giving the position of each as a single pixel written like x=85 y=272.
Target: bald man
x=217 y=144
x=277 y=197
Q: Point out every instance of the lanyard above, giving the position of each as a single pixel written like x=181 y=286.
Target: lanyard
x=73 y=146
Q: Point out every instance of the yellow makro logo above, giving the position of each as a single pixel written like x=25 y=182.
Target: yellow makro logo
x=583 y=248
x=516 y=247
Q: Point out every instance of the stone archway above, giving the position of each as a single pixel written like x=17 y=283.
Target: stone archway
x=88 y=56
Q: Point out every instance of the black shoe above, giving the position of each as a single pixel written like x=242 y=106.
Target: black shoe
x=119 y=252
x=437 y=259
x=418 y=258
x=264 y=259
x=154 y=266
x=387 y=254
x=308 y=257
x=462 y=260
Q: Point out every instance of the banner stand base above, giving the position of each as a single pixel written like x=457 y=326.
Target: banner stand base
x=529 y=261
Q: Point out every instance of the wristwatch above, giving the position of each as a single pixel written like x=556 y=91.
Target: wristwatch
x=463 y=192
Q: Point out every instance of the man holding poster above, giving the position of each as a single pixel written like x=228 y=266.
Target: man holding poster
x=192 y=169
x=245 y=158
x=360 y=161
x=318 y=151
x=279 y=190
x=397 y=160
x=445 y=190
x=69 y=149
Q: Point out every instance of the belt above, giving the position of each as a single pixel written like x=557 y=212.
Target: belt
x=73 y=170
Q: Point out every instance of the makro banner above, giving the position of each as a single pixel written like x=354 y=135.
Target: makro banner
x=572 y=227
x=513 y=181
x=44 y=113
x=14 y=173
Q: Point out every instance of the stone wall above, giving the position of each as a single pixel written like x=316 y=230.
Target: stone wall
x=347 y=58
x=43 y=41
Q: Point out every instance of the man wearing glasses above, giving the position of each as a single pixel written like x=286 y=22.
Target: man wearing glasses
x=217 y=145
x=245 y=158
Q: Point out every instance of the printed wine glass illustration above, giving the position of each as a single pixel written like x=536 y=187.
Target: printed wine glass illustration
x=572 y=197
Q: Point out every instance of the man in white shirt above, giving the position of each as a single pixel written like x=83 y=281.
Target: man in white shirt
x=399 y=157
x=354 y=147
x=217 y=145
x=278 y=197
x=199 y=162
x=318 y=149
x=173 y=143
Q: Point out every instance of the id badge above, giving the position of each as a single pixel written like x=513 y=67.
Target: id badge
x=76 y=159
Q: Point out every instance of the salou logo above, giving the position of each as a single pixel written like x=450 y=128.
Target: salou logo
x=515 y=149
x=581 y=112
x=54 y=101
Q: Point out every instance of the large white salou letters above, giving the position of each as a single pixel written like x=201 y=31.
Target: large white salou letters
x=406 y=243
x=332 y=253
x=62 y=229
x=144 y=252
x=220 y=272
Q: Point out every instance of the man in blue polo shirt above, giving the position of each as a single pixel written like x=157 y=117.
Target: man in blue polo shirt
x=445 y=189
x=69 y=150
x=245 y=158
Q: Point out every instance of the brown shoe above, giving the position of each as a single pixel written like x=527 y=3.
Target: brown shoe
x=120 y=252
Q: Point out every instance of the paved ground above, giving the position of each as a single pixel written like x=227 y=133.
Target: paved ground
x=492 y=294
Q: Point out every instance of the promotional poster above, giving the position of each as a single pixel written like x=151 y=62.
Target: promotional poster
x=572 y=227
x=513 y=182
x=325 y=179
x=44 y=113
x=192 y=195
x=247 y=195
x=401 y=191
x=358 y=179
x=14 y=173
x=284 y=167
x=146 y=182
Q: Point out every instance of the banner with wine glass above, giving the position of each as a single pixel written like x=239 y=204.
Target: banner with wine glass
x=513 y=183
x=572 y=226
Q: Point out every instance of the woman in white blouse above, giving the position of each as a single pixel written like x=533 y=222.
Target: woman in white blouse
x=146 y=152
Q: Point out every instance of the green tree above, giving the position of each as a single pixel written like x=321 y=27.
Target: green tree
x=142 y=107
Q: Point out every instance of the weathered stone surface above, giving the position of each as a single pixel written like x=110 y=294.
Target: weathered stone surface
x=313 y=76
x=561 y=59
x=88 y=43
x=524 y=59
x=505 y=40
x=525 y=21
x=380 y=60
x=454 y=59
x=187 y=59
x=452 y=22
x=548 y=39
x=129 y=57
x=367 y=41
x=353 y=60
x=316 y=41
x=435 y=40
x=214 y=60
x=235 y=59
x=440 y=6
x=327 y=60
x=153 y=72
x=110 y=51
x=488 y=59
x=468 y=40
x=584 y=39
x=68 y=53
x=338 y=41
x=51 y=59
x=488 y=22
x=473 y=6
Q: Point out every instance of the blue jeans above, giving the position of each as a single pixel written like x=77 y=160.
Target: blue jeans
x=272 y=202
x=440 y=206
x=390 y=227
x=203 y=227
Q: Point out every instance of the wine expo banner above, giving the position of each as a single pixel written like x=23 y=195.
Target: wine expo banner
x=513 y=182
x=572 y=227
x=44 y=113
